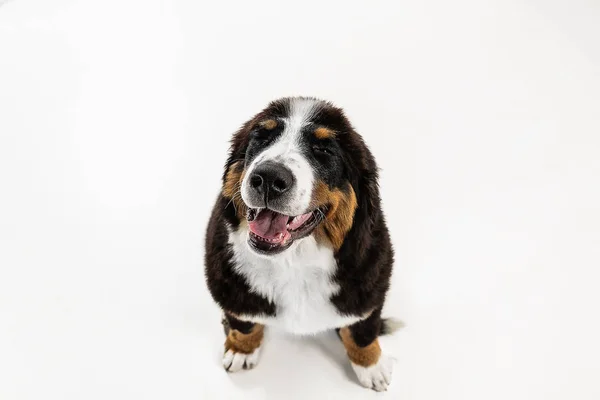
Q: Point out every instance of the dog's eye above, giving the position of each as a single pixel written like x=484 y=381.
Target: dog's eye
x=322 y=150
x=265 y=133
x=262 y=135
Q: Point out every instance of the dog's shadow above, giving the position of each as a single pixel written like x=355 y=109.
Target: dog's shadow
x=331 y=346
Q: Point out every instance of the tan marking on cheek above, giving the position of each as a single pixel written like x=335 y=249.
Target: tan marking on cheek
x=232 y=180
x=323 y=133
x=340 y=216
x=363 y=356
x=245 y=343
x=232 y=187
x=269 y=124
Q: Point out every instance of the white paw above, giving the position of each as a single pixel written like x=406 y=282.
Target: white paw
x=233 y=362
x=376 y=377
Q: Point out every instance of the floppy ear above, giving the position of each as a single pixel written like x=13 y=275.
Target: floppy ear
x=233 y=173
x=237 y=148
x=364 y=176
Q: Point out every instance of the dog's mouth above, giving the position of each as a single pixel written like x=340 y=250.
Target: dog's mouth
x=272 y=232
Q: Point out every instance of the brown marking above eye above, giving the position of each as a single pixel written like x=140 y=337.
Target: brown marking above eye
x=268 y=124
x=323 y=133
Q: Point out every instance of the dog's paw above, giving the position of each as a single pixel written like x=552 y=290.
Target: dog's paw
x=233 y=362
x=377 y=376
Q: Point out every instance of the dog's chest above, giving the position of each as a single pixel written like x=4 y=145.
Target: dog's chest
x=299 y=283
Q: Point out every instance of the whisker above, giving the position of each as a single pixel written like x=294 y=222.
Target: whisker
x=233 y=198
x=228 y=203
x=321 y=215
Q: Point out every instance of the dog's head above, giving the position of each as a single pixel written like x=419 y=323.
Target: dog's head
x=296 y=169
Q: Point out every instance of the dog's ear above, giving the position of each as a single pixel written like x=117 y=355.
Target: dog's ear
x=233 y=173
x=363 y=174
x=237 y=148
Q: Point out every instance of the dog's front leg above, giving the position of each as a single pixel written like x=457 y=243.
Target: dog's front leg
x=373 y=369
x=242 y=345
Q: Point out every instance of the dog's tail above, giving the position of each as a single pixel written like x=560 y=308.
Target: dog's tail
x=390 y=325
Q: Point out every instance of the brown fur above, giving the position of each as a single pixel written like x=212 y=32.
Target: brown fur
x=269 y=124
x=363 y=356
x=245 y=343
x=340 y=215
x=231 y=188
x=323 y=133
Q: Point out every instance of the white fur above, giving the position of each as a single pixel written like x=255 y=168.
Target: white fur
x=286 y=150
x=298 y=281
x=233 y=362
x=376 y=377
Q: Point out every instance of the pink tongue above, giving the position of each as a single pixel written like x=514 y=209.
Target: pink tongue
x=269 y=224
x=298 y=221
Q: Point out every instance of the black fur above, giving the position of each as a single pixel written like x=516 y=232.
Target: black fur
x=365 y=331
x=231 y=322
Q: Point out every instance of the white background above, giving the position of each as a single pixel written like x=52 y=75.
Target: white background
x=114 y=120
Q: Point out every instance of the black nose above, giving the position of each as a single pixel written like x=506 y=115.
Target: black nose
x=272 y=179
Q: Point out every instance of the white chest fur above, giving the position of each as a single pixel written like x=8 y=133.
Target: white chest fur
x=298 y=281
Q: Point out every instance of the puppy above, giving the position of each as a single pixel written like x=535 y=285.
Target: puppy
x=297 y=238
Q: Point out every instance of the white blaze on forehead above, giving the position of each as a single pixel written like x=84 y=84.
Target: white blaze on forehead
x=301 y=112
x=287 y=149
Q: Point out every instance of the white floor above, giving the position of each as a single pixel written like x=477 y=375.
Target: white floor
x=114 y=121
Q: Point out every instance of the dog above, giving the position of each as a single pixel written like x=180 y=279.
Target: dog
x=297 y=238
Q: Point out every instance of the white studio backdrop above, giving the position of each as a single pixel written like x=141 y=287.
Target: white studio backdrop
x=114 y=122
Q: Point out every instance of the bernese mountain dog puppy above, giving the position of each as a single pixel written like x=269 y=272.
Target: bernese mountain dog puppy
x=297 y=238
